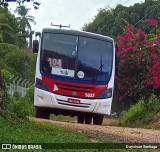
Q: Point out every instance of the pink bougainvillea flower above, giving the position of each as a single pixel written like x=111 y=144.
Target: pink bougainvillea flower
x=149 y=83
x=155 y=75
x=150 y=44
x=124 y=56
x=131 y=28
x=117 y=79
x=121 y=46
x=124 y=38
x=152 y=49
x=129 y=36
x=121 y=98
x=153 y=21
x=158 y=37
x=141 y=34
x=139 y=56
x=154 y=68
x=157 y=84
x=121 y=52
x=138 y=45
x=154 y=56
x=130 y=48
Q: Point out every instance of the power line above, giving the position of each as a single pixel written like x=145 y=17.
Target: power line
x=118 y=2
x=109 y=2
x=142 y=17
x=146 y=15
x=125 y=2
x=115 y=4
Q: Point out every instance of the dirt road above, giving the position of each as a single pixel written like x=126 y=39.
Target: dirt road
x=128 y=135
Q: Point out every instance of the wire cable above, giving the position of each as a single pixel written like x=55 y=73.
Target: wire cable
x=125 y=2
x=146 y=15
x=109 y=2
x=142 y=18
x=118 y=2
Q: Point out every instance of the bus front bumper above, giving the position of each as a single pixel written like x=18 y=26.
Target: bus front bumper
x=47 y=99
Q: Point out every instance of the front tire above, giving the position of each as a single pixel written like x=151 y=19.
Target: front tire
x=88 y=119
x=42 y=113
x=80 y=119
x=98 y=119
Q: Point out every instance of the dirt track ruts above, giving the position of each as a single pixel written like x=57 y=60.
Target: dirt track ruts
x=128 y=135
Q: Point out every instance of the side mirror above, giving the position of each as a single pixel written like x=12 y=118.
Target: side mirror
x=35 y=46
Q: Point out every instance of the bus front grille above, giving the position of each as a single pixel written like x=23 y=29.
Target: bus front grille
x=74 y=87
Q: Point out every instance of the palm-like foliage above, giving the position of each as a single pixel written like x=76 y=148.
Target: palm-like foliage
x=24 y=19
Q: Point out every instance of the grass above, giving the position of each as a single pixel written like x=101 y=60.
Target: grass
x=38 y=133
x=145 y=114
x=15 y=128
x=31 y=132
x=63 y=118
x=106 y=122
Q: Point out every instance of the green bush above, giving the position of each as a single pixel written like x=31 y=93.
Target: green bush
x=142 y=113
x=30 y=94
x=19 y=62
x=29 y=98
x=17 y=108
x=6 y=76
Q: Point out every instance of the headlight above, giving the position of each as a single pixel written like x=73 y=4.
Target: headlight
x=106 y=94
x=41 y=85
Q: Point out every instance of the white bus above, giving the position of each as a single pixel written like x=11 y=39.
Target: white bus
x=75 y=74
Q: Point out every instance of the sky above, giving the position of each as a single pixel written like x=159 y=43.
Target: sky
x=75 y=13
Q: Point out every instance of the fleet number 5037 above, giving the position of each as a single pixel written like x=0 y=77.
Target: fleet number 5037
x=89 y=95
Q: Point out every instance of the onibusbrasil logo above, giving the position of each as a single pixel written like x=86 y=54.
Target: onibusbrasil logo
x=20 y=146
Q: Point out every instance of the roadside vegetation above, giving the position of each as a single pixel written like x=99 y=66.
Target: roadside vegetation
x=138 y=80
x=16 y=61
x=145 y=113
x=137 y=31
x=15 y=126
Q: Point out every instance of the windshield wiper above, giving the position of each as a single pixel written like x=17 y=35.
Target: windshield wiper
x=99 y=70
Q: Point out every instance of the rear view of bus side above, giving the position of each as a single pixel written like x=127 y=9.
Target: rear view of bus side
x=75 y=73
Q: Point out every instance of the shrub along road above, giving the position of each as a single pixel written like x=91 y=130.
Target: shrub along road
x=128 y=135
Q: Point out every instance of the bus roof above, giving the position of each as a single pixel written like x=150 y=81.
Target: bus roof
x=78 y=33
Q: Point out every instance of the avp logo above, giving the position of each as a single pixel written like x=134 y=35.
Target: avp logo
x=6 y=146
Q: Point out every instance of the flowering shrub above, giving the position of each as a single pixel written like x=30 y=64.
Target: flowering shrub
x=152 y=22
x=139 y=67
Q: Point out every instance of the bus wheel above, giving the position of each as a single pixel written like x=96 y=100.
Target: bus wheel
x=80 y=119
x=88 y=119
x=42 y=113
x=98 y=119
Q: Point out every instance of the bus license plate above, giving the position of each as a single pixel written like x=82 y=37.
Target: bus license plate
x=73 y=101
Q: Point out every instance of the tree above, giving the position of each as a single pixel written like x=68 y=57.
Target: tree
x=8 y=27
x=4 y=3
x=139 y=67
x=24 y=19
x=2 y=94
x=113 y=21
x=17 y=61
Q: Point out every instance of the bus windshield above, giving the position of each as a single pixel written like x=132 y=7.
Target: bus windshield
x=76 y=57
